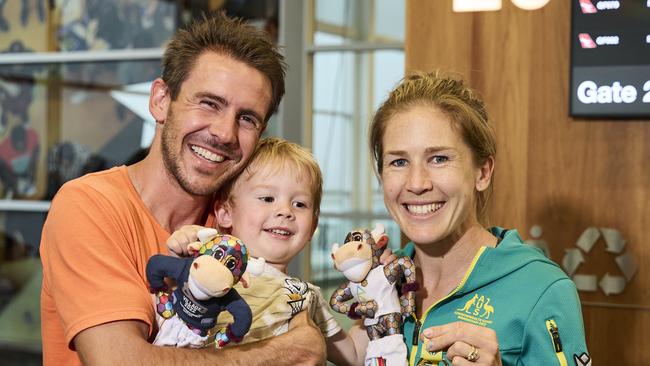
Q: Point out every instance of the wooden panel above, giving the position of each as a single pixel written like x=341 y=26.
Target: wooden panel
x=560 y=173
x=438 y=38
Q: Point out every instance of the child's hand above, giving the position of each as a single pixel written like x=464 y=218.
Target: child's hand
x=180 y=239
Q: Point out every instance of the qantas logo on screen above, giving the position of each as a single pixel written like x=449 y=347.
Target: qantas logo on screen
x=586 y=41
x=587 y=6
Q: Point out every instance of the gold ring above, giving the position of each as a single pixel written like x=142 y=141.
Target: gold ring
x=473 y=356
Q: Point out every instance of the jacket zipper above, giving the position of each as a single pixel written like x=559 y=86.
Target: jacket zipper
x=420 y=322
x=415 y=340
x=553 y=331
x=416 y=332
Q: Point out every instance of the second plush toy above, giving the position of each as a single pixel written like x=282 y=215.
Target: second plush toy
x=373 y=288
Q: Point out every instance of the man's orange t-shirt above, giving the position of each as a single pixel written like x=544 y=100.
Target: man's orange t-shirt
x=95 y=245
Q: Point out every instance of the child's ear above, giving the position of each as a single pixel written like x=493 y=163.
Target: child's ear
x=222 y=212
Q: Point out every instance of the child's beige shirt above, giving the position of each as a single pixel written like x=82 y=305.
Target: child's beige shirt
x=274 y=299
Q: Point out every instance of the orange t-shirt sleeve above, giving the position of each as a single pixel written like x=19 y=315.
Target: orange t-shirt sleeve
x=91 y=261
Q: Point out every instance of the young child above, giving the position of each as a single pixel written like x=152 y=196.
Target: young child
x=273 y=207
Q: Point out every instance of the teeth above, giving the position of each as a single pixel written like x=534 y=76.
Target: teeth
x=424 y=209
x=208 y=154
x=280 y=232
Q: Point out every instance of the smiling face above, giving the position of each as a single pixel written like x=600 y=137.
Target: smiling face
x=211 y=129
x=272 y=212
x=429 y=176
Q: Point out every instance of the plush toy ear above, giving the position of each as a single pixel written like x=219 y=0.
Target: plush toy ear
x=244 y=280
x=382 y=241
x=379 y=235
x=207 y=234
x=378 y=231
x=255 y=266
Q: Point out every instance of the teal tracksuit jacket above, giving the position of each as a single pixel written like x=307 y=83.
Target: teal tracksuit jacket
x=514 y=289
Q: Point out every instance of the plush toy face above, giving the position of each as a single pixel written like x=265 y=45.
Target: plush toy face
x=219 y=264
x=354 y=257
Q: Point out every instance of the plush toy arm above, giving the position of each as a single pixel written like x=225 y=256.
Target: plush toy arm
x=408 y=269
x=339 y=297
x=407 y=299
x=407 y=302
x=160 y=266
x=365 y=309
x=399 y=267
x=242 y=317
x=242 y=320
x=221 y=338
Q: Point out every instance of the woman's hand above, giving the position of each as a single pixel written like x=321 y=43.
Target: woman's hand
x=466 y=344
x=387 y=256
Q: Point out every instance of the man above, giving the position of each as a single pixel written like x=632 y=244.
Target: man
x=221 y=82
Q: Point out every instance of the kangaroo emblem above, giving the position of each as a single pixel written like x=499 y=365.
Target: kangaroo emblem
x=469 y=304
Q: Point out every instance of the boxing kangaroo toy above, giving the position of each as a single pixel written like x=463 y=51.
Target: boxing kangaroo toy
x=373 y=288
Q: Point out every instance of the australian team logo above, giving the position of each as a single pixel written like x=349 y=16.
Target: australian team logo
x=477 y=310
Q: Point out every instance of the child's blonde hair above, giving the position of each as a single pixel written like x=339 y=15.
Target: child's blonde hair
x=278 y=154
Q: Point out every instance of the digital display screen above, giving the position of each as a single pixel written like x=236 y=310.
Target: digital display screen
x=610 y=59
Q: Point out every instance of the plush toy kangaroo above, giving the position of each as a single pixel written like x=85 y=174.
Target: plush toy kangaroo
x=373 y=288
x=204 y=290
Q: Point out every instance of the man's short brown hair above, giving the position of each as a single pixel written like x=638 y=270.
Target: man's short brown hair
x=231 y=37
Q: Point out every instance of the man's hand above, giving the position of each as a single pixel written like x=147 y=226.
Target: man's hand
x=97 y=345
x=307 y=339
x=180 y=239
x=302 y=345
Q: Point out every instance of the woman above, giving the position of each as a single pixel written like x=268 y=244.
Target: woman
x=484 y=297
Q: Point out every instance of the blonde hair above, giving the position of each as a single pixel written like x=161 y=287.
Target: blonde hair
x=279 y=154
x=460 y=103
